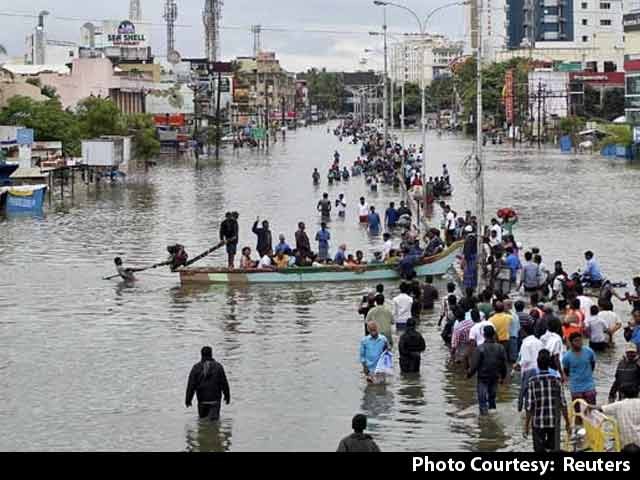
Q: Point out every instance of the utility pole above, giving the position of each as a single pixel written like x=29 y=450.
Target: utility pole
x=385 y=85
x=218 y=132
x=283 y=115
x=266 y=111
x=539 y=107
x=392 y=120
x=479 y=149
x=404 y=81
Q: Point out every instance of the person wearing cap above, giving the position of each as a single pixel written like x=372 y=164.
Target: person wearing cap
x=358 y=441
x=489 y=362
x=627 y=373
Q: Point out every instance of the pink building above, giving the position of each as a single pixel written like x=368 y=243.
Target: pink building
x=99 y=77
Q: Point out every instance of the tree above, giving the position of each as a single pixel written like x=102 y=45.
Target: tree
x=100 y=116
x=145 y=144
x=35 y=81
x=3 y=51
x=48 y=120
x=326 y=89
x=49 y=91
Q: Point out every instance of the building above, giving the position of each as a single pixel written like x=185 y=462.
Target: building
x=261 y=83
x=15 y=145
x=438 y=52
x=585 y=31
x=494 y=33
x=98 y=77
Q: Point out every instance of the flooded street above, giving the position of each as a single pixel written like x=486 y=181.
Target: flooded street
x=87 y=364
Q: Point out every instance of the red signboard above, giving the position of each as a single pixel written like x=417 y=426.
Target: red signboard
x=608 y=78
x=176 y=120
x=632 y=66
x=508 y=95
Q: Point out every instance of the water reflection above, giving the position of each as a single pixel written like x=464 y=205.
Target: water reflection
x=377 y=401
x=209 y=437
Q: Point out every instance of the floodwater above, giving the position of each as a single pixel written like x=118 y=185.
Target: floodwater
x=87 y=364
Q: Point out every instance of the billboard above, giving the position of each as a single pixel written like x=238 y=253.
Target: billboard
x=123 y=34
x=508 y=93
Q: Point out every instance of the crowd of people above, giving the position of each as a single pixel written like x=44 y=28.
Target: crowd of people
x=529 y=323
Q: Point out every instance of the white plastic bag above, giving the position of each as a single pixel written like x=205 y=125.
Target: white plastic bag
x=385 y=364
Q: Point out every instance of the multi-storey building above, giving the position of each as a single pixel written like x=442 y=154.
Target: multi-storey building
x=588 y=32
x=438 y=52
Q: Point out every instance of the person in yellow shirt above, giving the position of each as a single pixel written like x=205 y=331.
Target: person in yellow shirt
x=501 y=321
x=282 y=260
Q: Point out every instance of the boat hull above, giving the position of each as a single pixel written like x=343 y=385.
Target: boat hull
x=27 y=199
x=435 y=266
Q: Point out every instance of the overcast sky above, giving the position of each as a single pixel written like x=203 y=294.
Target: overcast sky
x=297 y=50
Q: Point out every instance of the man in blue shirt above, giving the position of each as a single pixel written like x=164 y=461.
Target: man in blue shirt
x=513 y=262
x=323 y=237
x=391 y=216
x=579 y=364
x=374 y=221
x=371 y=348
x=283 y=247
x=592 y=274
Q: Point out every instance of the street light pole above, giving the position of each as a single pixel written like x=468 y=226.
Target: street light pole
x=385 y=110
x=479 y=152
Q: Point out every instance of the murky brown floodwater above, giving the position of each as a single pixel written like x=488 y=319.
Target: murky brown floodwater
x=92 y=365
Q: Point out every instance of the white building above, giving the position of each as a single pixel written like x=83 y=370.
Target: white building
x=438 y=51
x=494 y=28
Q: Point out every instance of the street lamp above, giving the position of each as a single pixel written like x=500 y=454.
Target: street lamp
x=422 y=25
x=385 y=107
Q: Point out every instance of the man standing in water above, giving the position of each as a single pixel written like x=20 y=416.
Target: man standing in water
x=229 y=234
x=371 y=349
x=489 y=361
x=324 y=206
x=208 y=382
x=363 y=211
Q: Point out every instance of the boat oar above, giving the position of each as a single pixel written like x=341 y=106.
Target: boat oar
x=137 y=270
x=208 y=252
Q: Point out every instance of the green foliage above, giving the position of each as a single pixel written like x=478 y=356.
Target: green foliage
x=493 y=76
x=48 y=120
x=325 y=89
x=3 y=51
x=93 y=118
x=571 y=125
x=145 y=143
x=49 y=91
x=100 y=116
x=618 y=135
x=35 y=81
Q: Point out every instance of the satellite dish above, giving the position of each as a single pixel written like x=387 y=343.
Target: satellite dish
x=174 y=57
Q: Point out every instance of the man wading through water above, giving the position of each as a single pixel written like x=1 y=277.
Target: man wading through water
x=208 y=382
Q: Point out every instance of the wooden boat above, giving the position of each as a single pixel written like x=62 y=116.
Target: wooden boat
x=436 y=266
x=24 y=199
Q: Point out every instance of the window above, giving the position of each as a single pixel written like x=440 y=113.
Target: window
x=584 y=5
x=584 y=21
x=605 y=23
x=605 y=6
x=585 y=38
